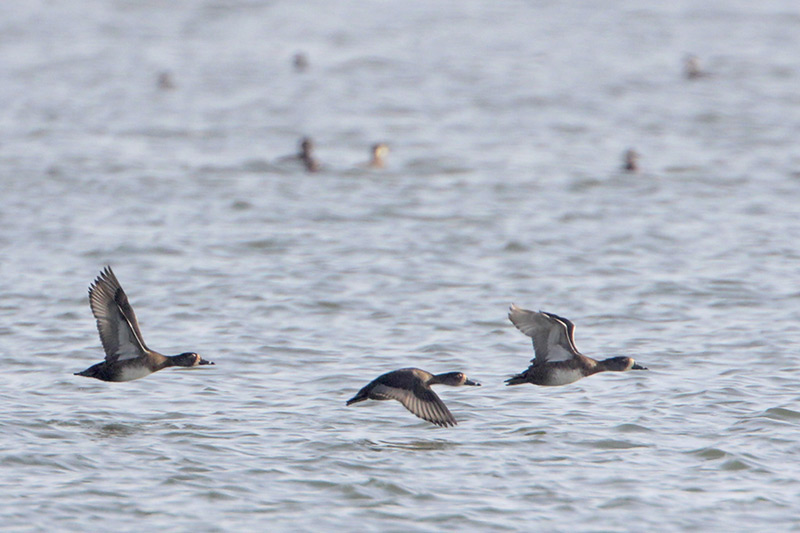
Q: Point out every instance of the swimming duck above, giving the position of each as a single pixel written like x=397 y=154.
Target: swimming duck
x=165 y=81
x=306 y=156
x=127 y=356
x=379 y=153
x=631 y=161
x=300 y=62
x=412 y=388
x=691 y=67
x=557 y=360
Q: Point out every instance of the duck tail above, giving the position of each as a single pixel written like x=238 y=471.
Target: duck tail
x=360 y=397
x=519 y=379
x=91 y=372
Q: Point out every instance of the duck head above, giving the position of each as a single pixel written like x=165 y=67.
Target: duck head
x=455 y=379
x=379 y=153
x=306 y=147
x=189 y=359
x=622 y=364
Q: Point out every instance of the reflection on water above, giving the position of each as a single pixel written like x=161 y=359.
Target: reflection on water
x=116 y=430
x=421 y=445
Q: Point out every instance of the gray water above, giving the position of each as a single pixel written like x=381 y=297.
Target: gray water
x=506 y=122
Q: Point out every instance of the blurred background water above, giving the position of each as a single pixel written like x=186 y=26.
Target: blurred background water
x=507 y=123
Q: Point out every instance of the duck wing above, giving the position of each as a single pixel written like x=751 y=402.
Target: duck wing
x=116 y=321
x=570 y=329
x=416 y=396
x=553 y=336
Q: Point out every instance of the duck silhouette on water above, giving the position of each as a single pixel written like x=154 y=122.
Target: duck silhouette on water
x=631 y=161
x=306 y=155
x=378 y=152
x=127 y=356
x=558 y=361
x=691 y=67
x=412 y=388
x=300 y=62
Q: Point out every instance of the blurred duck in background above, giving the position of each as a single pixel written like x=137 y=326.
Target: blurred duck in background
x=631 y=161
x=379 y=152
x=691 y=67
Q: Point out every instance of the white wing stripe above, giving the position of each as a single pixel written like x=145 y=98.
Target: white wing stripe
x=130 y=346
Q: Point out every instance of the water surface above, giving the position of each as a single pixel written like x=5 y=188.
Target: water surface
x=507 y=123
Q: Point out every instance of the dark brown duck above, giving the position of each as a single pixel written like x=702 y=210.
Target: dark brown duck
x=412 y=388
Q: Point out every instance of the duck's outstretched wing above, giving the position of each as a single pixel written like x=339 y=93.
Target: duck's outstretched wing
x=420 y=400
x=553 y=336
x=116 y=321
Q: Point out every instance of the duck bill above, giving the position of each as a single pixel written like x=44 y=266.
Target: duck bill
x=204 y=362
x=473 y=383
x=637 y=366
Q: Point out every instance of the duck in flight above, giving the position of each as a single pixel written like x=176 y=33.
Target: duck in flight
x=557 y=360
x=412 y=388
x=127 y=356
